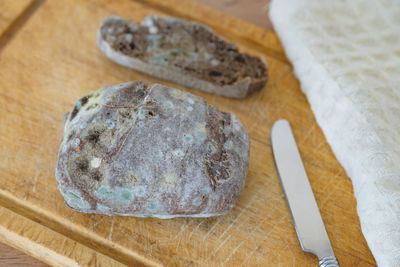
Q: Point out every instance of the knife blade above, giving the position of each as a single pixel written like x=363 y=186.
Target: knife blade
x=300 y=198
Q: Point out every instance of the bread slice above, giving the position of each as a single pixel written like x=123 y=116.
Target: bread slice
x=184 y=52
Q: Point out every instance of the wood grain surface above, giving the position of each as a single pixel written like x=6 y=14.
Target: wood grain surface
x=12 y=15
x=45 y=244
x=62 y=64
x=253 y=11
x=10 y=11
x=10 y=256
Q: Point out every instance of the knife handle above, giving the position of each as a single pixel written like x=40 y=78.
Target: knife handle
x=329 y=261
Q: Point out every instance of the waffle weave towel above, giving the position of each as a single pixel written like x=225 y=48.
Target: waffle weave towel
x=346 y=55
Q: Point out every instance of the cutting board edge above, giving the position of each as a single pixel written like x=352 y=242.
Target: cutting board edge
x=53 y=222
x=30 y=237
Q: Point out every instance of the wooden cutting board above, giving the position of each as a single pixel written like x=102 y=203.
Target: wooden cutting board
x=50 y=59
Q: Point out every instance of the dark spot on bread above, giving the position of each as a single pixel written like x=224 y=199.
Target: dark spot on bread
x=78 y=105
x=125 y=114
x=74 y=112
x=84 y=100
x=217 y=163
x=239 y=58
x=140 y=93
x=215 y=73
x=95 y=175
x=93 y=136
x=188 y=68
x=70 y=136
x=82 y=165
x=122 y=46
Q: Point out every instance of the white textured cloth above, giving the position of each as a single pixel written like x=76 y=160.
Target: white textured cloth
x=346 y=55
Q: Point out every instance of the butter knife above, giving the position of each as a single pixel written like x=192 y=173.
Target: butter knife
x=303 y=207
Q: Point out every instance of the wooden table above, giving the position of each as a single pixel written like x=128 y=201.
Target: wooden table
x=44 y=69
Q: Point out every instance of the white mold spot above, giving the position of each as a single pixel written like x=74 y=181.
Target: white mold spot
x=236 y=124
x=197 y=201
x=201 y=132
x=110 y=124
x=95 y=163
x=228 y=144
x=169 y=104
x=142 y=114
x=148 y=21
x=153 y=30
x=189 y=108
x=103 y=208
x=133 y=27
x=83 y=125
x=206 y=190
x=211 y=148
x=78 y=104
x=129 y=37
x=207 y=56
x=201 y=135
x=75 y=143
x=178 y=153
x=214 y=62
x=64 y=148
x=76 y=119
x=236 y=127
x=97 y=118
x=227 y=130
x=139 y=191
x=170 y=178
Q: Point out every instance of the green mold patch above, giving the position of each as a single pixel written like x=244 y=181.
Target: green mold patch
x=153 y=206
x=75 y=201
x=117 y=194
